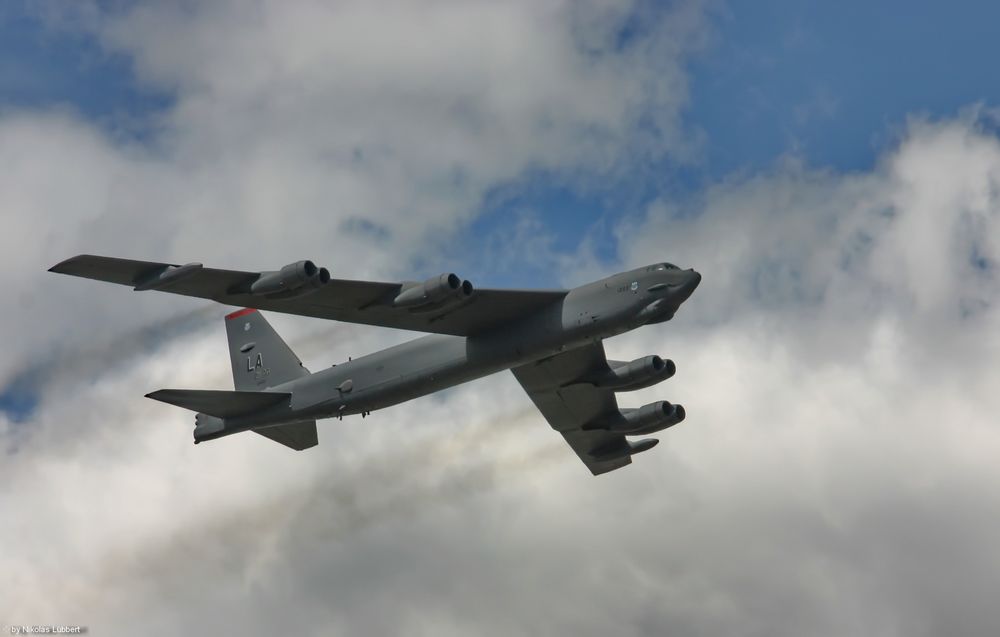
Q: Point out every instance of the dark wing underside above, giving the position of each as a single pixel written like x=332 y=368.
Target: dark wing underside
x=366 y=302
x=568 y=406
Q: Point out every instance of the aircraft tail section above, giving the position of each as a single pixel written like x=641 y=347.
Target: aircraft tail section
x=260 y=357
x=216 y=407
x=260 y=360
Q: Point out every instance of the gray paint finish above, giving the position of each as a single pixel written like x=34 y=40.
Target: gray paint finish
x=550 y=339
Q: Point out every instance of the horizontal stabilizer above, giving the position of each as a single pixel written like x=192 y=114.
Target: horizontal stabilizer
x=223 y=404
x=298 y=435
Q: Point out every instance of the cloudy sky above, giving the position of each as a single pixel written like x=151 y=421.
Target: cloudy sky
x=833 y=171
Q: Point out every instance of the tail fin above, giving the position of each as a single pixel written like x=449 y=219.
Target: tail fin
x=260 y=358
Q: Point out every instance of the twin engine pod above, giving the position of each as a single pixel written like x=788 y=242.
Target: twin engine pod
x=303 y=277
x=644 y=420
x=435 y=292
x=638 y=374
x=295 y=279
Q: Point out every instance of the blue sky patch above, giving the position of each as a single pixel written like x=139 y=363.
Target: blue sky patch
x=43 y=68
x=19 y=398
x=834 y=82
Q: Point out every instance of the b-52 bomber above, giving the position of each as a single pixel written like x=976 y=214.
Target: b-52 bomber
x=550 y=339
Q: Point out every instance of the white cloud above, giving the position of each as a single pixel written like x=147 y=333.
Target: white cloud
x=837 y=366
x=836 y=473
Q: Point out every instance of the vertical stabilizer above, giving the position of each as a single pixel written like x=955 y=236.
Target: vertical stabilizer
x=260 y=358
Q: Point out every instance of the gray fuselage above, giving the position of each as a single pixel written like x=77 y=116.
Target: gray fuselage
x=425 y=365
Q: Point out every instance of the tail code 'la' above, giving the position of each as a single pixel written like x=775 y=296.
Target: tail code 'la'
x=260 y=358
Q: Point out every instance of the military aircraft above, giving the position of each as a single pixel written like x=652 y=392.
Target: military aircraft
x=550 y=339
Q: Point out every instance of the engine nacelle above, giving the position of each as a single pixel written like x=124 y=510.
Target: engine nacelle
x=644 y=420
x=294 y=279
x=440 y=290
x=638 y=374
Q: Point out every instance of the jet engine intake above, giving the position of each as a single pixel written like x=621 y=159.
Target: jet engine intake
x=444 y=289
x=638 y=374
x=644 y=420
x=295 y=279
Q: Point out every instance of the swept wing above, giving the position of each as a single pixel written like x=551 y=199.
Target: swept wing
x=367 y=302
x=569 y=405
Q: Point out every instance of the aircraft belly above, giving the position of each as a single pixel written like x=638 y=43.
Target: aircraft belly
x=427 y=365
x=403 y=388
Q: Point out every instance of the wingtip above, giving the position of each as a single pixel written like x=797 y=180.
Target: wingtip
x=60 y=267
x=64 y=266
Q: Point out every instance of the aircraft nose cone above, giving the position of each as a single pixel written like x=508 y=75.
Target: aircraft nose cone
x=688 y=287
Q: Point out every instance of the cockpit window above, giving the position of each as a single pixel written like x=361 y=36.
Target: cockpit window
x=667 y=266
